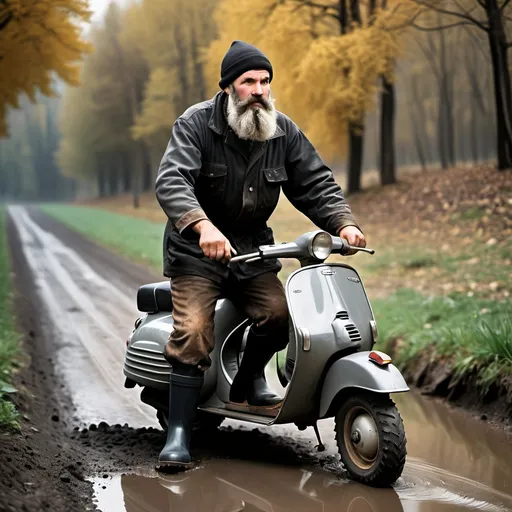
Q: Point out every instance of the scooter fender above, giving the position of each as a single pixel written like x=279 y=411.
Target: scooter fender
x=357 y=371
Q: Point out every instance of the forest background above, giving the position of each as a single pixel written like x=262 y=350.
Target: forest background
x=377 y=85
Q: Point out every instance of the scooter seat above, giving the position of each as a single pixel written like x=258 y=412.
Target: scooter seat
x=155 y=297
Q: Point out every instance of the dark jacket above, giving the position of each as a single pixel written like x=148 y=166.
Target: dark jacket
x=207 y=172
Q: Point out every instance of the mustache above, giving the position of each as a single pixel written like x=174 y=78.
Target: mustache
x=243 y=104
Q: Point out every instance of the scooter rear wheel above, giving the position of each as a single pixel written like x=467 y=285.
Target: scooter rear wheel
x=371 y=439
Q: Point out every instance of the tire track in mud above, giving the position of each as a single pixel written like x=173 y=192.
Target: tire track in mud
x=91 y=316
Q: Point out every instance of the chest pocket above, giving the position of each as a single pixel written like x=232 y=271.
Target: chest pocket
x=211 y=183
x=273 y=178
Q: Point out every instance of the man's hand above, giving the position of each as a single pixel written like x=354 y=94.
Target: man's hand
x=353 y=236
x=212 y=242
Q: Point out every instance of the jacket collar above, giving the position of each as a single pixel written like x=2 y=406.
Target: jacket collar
x=218 y=121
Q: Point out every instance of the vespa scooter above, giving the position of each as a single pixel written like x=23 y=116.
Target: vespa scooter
x=329 y=370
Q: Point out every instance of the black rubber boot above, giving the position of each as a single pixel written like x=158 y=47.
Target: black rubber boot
x=184 y=389
x=249 y=386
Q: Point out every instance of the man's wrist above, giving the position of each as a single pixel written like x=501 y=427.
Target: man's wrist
x=200 y=225
x=339 y=230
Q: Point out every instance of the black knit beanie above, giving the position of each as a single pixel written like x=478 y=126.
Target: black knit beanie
x=242 y=57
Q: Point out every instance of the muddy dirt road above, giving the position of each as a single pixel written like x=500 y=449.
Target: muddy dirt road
x=86 y=299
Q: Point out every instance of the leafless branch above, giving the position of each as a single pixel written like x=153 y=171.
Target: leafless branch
x=463 y=9
x=406 y=23
x=270 y=10
x=464 y=15
x=430 y=56
x=505 y=3
x=5 y=17
x=324 y=12
x=443 y=27
x=332 y=9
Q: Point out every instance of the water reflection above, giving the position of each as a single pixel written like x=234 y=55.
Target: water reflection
x=231 y=486
x=235 y=485
x=454 y=463
x=456 y=442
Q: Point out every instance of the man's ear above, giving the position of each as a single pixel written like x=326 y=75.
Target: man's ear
x=227 y=90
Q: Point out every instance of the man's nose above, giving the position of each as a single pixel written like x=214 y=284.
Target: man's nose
x=258 y=90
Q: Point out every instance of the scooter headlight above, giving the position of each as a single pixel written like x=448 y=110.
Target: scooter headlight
x=321 y=245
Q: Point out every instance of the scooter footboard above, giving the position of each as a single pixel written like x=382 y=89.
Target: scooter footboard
x=357 y=371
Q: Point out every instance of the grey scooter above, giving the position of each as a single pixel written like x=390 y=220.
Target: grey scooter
x=329 y=368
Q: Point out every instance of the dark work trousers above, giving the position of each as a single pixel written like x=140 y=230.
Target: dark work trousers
x=261 y=298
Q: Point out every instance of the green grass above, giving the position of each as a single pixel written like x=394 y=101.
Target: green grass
x=472 y=213
x=9 y=338
x=476 y=334
x=135 y=238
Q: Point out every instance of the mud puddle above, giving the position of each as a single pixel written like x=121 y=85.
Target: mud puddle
x=454 y=463
x=231 y=486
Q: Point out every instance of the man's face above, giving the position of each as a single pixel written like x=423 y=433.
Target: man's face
x=250 y=109
x=252 y=84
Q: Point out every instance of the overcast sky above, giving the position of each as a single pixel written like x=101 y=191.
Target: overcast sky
x=100 y=6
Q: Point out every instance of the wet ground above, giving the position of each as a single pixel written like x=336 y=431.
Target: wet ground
x=455 y=462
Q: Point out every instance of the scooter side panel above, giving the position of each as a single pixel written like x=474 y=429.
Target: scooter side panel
x=357 y=371
x=329 y=307
x=144 y=359
x=144 y=362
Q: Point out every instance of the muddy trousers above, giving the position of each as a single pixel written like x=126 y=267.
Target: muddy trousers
x=188 y=350
x=261 y=298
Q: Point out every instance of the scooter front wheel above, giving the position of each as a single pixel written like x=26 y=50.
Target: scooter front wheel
x=371 y=439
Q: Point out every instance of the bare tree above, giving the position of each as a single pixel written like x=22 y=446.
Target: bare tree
x=490 y=16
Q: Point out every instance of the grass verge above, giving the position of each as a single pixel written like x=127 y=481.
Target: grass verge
x=9 y=337
x=474 y=334
x=134 y=238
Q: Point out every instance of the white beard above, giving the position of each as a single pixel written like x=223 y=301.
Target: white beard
x=251 y=123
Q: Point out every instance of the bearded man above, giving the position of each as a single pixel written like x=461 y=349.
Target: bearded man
x=219 y=181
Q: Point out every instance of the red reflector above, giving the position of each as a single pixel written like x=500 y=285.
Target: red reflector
x=127 y=342
x=379 y=358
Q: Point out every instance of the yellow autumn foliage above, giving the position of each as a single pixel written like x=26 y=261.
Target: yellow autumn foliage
x=169 y=35
x=37 y=39
x=322 y=79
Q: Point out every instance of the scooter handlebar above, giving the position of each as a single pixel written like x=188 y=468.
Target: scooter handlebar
x=245 y=257
x=341 y=246
x=297 y=249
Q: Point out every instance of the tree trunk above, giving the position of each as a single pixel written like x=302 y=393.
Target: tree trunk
x=387 y=134
x=419 y=121
x=441 y=140
x=356 y=142
x=446 y=92
x=198 y=66
x=356 y=132
x=126 y=172
x=473 y=129
x=102 y=192
x=147 y=177
x=417 y=140
x=136 y=179
x=502 y=93
x=113 y=180
x=503 y=128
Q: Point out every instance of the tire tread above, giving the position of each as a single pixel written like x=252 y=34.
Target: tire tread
x=391 y=436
